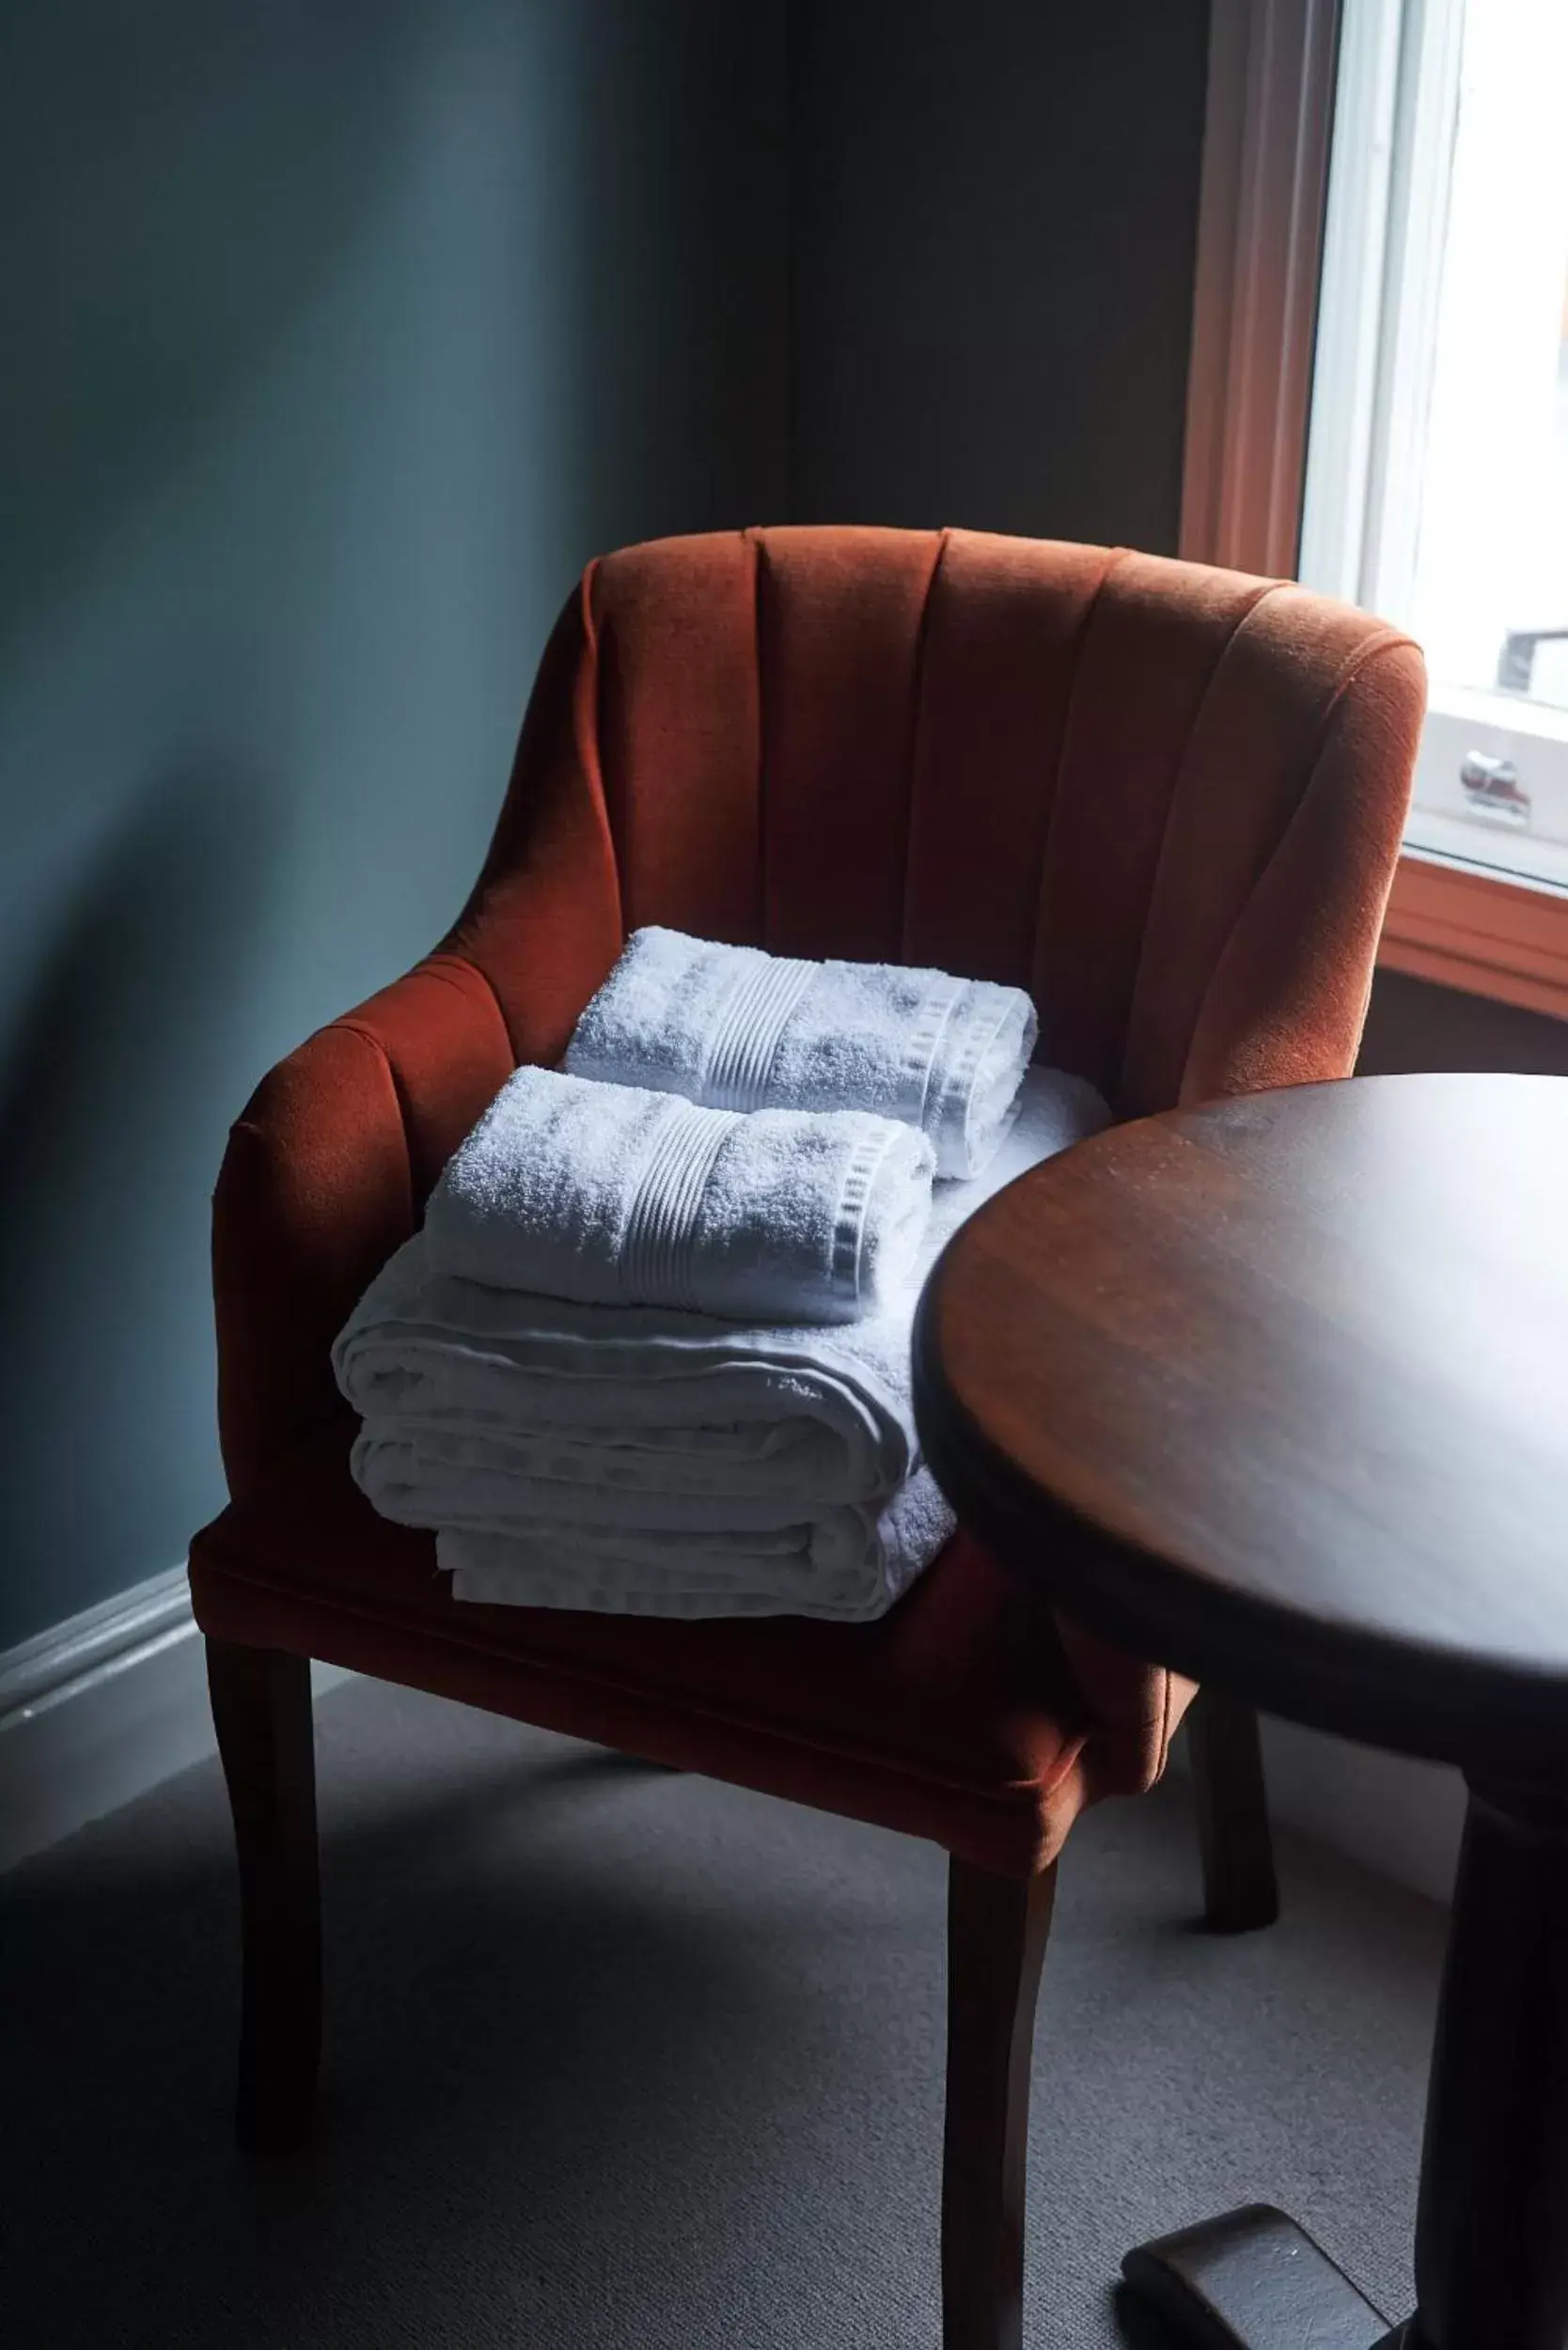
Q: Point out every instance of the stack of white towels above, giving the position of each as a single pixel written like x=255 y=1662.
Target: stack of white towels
x=651 y=1351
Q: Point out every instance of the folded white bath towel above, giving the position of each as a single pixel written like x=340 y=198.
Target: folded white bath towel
x=844 y=1562
x=741 y=1029
x=617 y=1197
x=622 y=1458
x=843 y=1565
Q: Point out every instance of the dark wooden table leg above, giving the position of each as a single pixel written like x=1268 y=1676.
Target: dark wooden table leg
x=1492 y=2233
x=1234 y=1842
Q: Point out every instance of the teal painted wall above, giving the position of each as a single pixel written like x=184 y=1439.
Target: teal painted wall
x=338 y=333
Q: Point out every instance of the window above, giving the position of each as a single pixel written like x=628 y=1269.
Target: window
x=1437 y=470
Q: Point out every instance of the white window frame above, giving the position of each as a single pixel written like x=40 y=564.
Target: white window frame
x=1269 y=357
x=1366 y=400
x=1398 y=87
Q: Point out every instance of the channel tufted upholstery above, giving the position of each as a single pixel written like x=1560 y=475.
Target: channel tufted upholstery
x=1167 y=799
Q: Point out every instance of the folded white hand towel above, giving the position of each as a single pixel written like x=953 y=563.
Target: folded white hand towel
x=619 y=1455
x=617 y=1197
x=741 y=1029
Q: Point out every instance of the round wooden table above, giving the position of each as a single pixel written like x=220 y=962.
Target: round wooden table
x=1276 y=1392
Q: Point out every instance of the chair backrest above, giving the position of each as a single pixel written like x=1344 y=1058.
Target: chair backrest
x=1167 y=799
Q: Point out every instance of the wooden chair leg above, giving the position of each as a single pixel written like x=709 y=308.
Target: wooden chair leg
x=996 y=1932
x=261 y=1713
x=1240 y=1891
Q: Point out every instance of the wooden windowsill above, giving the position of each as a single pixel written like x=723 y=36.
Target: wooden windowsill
x=1489 y=936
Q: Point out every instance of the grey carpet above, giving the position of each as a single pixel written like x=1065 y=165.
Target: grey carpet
x=617 y=2057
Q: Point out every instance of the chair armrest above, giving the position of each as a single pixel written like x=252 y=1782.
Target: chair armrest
x=1288 y=998
x=325 y=1174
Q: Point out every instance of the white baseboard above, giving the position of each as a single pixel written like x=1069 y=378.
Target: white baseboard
x=97 y=1710
x=1400 y=1817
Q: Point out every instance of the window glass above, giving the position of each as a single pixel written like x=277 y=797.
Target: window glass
x=1491 y=567
x=1438 y=475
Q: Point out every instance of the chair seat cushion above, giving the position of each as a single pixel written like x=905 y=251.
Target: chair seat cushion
x=956 y=1717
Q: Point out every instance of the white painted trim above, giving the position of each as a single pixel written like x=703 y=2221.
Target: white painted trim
x=97 y=1710
x=1404 y=325
x=1349 y=371
x=102 y=1641
x=1396 y=1816
x=1259 y=246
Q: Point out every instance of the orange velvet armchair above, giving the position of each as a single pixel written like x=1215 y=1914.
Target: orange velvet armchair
x=1165 y=799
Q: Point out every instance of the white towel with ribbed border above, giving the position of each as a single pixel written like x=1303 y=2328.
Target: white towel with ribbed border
x=617 y=1197
x=739 y=1030
x=641 y=1459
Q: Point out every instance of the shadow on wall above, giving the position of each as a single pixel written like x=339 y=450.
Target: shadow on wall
x=681 y=314
x=177 y=181
x=994 y=219
x=113 y=1101
x=179 y=187
x=181 y=183
x=352 y=329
